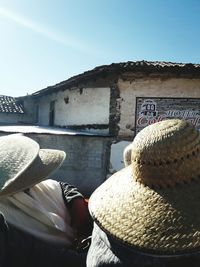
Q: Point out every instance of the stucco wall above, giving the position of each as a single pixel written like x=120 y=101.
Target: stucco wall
x=8 y=118
x=30 y=106
x=43 y=110
x=85 y=106
x=28 y=117
x=156 y=87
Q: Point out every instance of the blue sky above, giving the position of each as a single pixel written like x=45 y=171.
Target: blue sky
x=44 y=42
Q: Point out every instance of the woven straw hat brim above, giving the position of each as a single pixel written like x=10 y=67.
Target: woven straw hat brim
x=17 y=152
x=162 y=221
x=43 y=165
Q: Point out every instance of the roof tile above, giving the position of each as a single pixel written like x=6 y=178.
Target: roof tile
x=9 y=104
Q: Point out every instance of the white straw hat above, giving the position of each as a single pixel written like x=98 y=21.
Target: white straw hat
x=153 y=205
x=23 y=164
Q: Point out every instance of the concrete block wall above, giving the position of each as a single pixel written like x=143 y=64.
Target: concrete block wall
x=87 y=159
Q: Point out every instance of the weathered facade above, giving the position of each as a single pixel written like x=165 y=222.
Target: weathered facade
x=116 y=100
x=77 y=109
x=160 y=87
x=104 y=99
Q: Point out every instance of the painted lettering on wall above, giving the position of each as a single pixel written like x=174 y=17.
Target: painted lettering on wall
x=151 y=110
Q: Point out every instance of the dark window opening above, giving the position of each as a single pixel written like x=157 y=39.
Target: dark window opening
x=52 y=113
x=36 y=113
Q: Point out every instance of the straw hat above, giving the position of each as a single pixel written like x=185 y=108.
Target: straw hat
x=23 y=163
x=154 y=204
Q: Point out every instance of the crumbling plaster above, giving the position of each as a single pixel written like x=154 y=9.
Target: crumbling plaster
x=150 y=87
x=76 y=107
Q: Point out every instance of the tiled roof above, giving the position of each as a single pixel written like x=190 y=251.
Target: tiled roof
x=117 y=69
x=9 y=104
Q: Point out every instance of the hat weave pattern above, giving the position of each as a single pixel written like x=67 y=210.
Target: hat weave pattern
x=165 y=154
x=154 y=204
x=23 y=164
x=16 y=154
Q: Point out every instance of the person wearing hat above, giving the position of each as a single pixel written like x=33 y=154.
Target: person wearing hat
x=148 y=214
x=127 y=155
x=40 y=220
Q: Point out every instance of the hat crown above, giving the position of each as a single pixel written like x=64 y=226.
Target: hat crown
x=165 y=153
x=153 y=204
x=16 y=153
x=23 y=163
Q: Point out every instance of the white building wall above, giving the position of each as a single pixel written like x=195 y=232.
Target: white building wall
x=186 y=88
x=77 y=107
x=43 y=110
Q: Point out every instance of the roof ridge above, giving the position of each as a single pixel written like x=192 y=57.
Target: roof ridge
x=120 y=67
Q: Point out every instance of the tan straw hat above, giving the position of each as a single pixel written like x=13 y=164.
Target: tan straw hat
x=23 y=163
x=154 y=204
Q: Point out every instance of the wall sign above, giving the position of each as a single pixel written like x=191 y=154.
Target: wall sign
x=150 y=110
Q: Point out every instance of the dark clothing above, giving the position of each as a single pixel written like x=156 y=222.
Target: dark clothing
x=21 y=249
x=105 y=251
x=69 y=192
